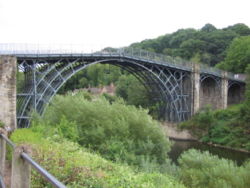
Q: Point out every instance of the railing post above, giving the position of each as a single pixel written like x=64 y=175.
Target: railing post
x=2 y=152
x=20 y=175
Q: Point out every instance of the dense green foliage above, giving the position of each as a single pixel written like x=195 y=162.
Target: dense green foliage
x=237 y=55
x=206 y=45
x=245 y=110
x=93 y=76
x=134 y=93
x=77 y=167
x=224 y=127
x=203 y=170
x=117 y=132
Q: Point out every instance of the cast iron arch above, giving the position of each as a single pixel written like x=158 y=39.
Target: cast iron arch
x=43 y=80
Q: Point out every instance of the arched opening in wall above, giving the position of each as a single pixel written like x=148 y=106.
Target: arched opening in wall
x=234 y=94
x=209 y=93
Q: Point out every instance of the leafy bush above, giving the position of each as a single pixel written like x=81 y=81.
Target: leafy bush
x=77 y=167
x=225 y=127
x=203 y=170
x=116 y=131
x=201 y=122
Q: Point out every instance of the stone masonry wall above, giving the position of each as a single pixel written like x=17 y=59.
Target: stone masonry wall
x=8 y=91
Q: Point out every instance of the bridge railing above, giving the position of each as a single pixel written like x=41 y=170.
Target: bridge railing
x=151 y=56
x=21 y=163
x=13 y=49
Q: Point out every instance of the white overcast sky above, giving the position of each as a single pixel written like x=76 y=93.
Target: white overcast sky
x=115 y=23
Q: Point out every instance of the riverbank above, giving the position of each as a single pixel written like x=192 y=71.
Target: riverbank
x=180 y=146
x=172 y=131
x=225 y=147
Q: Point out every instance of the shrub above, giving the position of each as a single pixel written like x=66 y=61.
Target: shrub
x=201 y=169
x=224 y=127
x=200 y=123
x=116 y=131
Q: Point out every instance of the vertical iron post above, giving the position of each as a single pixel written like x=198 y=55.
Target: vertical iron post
x=34 y=85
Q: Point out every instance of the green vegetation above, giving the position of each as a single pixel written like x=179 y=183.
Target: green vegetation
x=203 y=170
x=117 y=132
x=245 y=110
x=207 y=45
x=78 y=131
x=78 y=167
x=134 y=93
x=224 y=127
x=93 y=76
x=237 y=55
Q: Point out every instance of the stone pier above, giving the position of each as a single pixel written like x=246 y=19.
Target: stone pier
x=195 y=88
x=224 y=91
x=8 y=91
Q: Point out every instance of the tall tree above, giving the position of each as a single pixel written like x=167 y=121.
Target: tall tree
x=245 y=109
x=208 y=28
x=240 y=29
x=237 y=55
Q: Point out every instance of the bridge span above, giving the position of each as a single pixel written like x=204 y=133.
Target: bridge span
x=182 y=86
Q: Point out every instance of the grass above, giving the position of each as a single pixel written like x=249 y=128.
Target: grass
x=77 y=167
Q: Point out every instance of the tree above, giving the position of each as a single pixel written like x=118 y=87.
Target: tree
x=240 y=29
x=237 y=55
x=208 y=28
x=245 y=109
x=192 y=46
x=180 y=36
x=191 y=43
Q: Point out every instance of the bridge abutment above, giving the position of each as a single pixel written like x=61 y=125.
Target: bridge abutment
x=8 y=91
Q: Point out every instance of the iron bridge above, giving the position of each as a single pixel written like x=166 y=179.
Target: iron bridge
x=168 y=78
